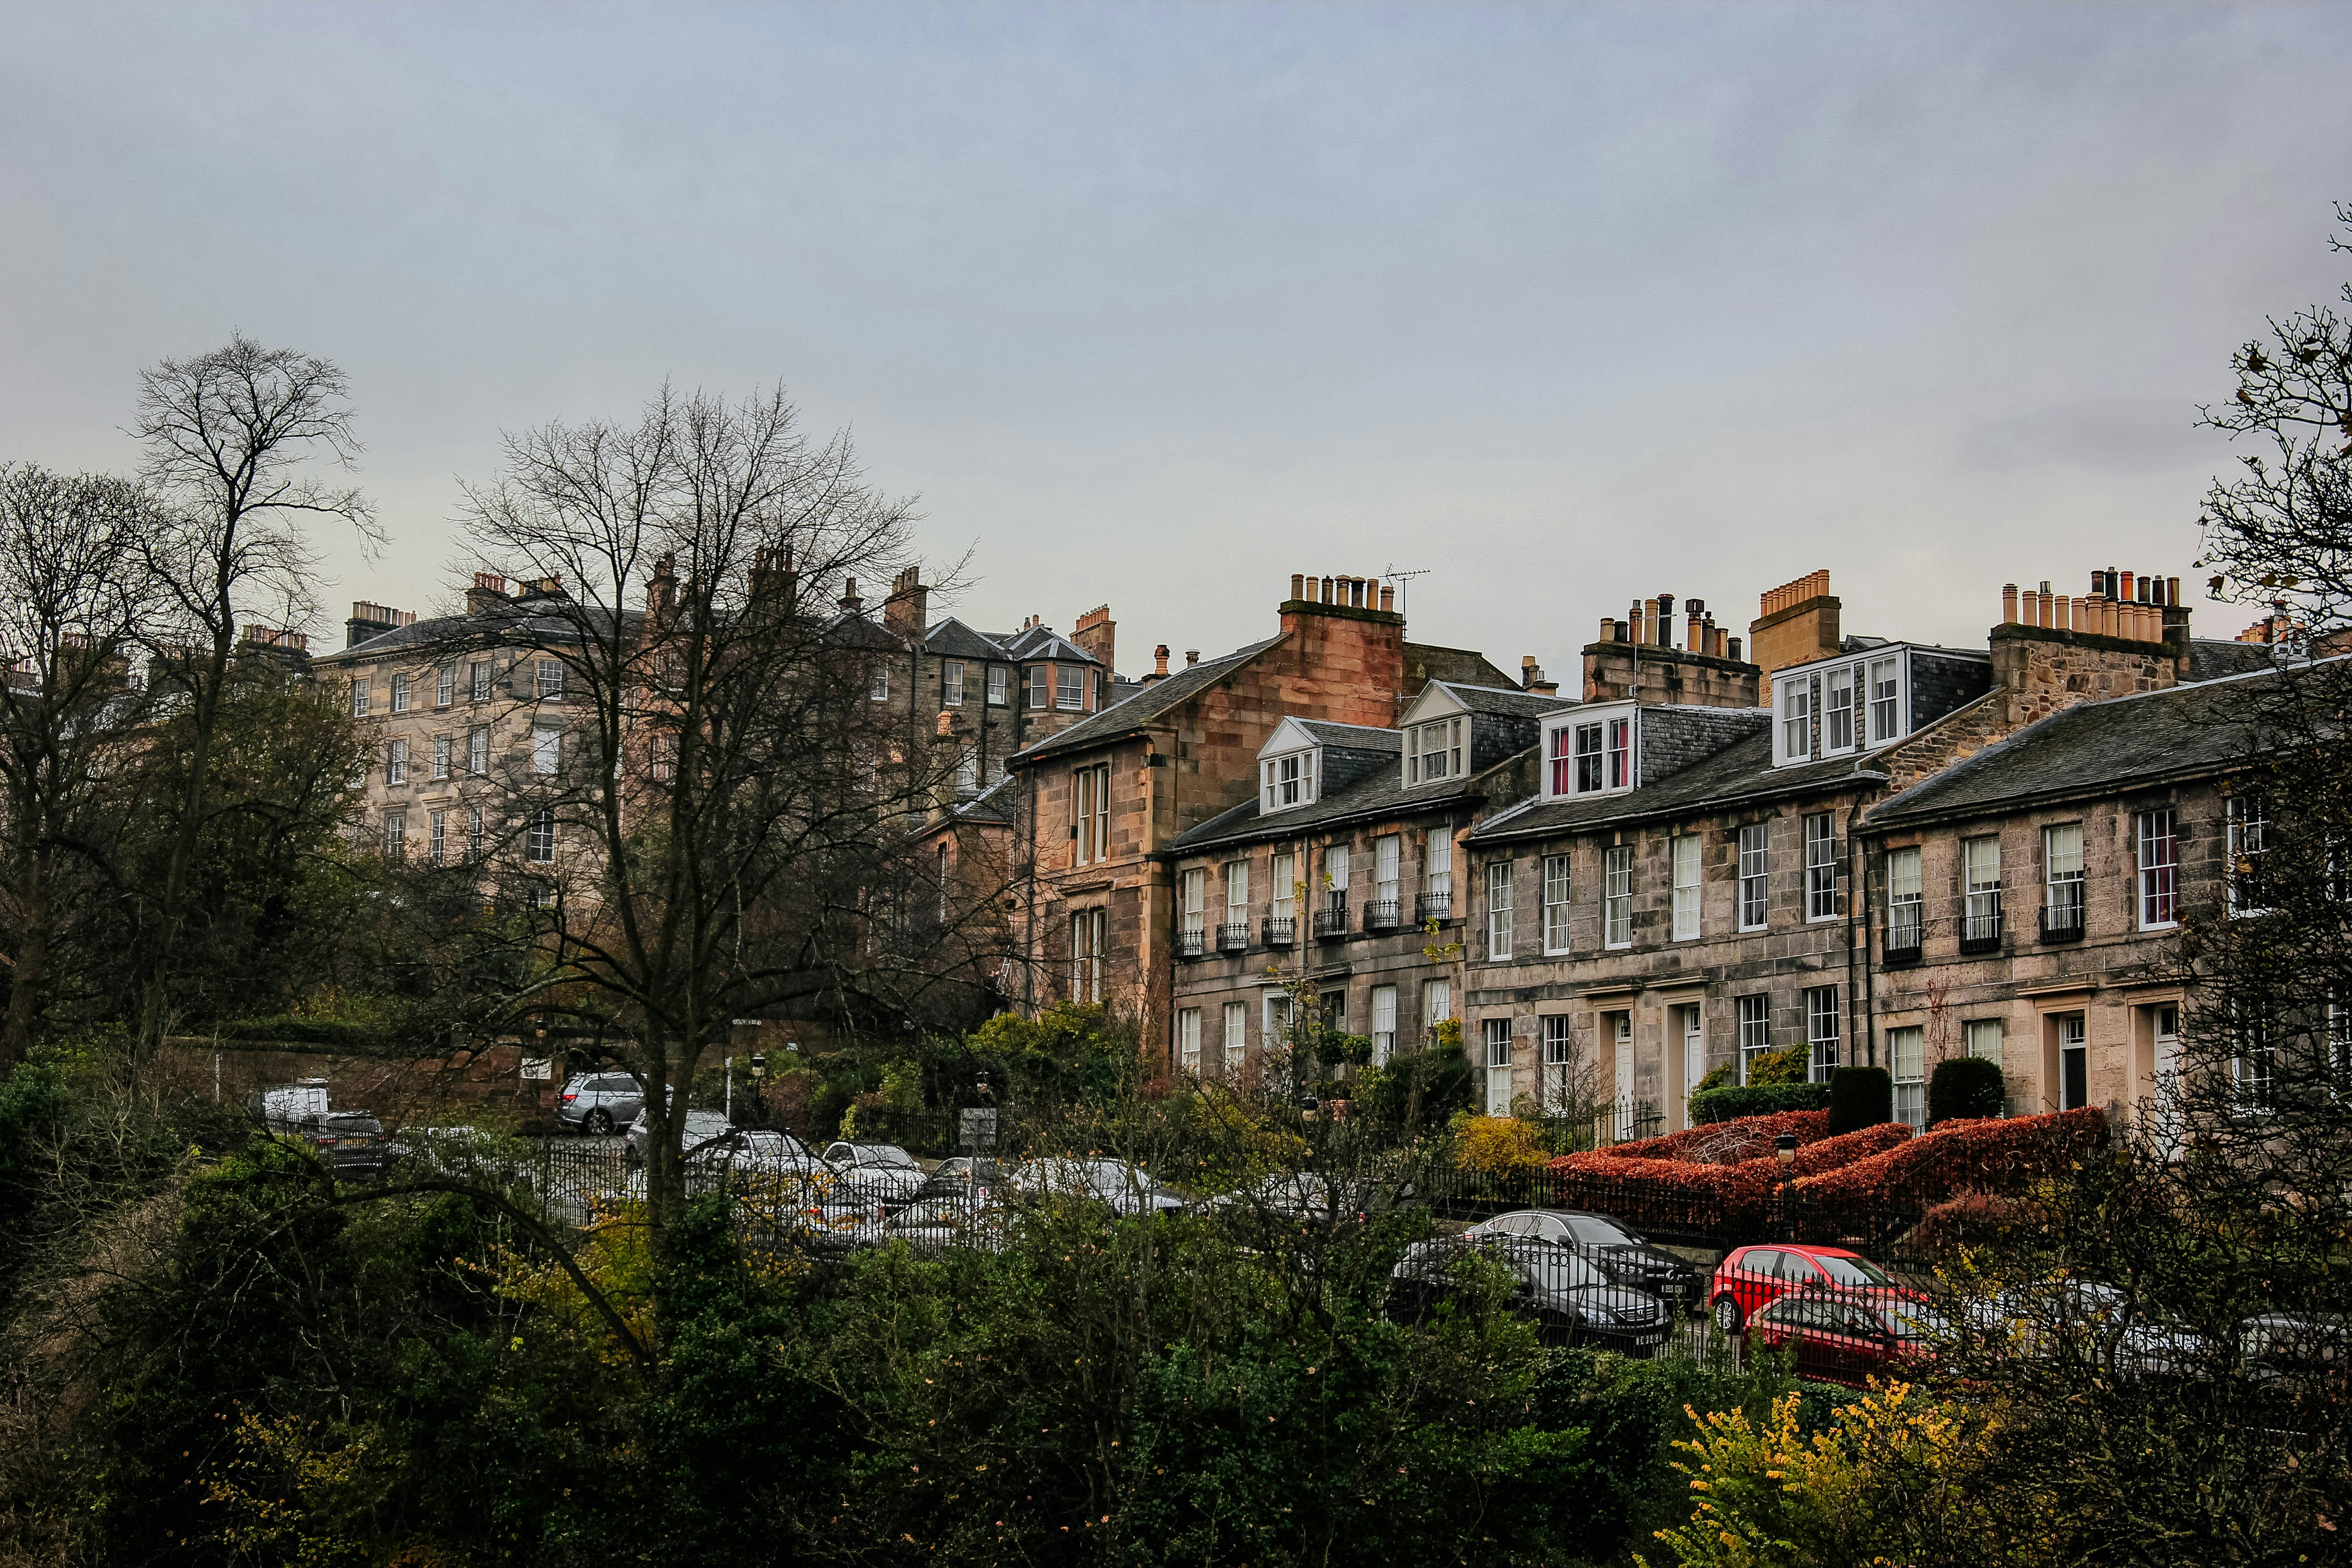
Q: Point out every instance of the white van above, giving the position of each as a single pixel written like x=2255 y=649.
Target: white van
x=283 y=1107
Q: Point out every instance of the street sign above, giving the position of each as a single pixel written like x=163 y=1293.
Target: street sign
x=976 y=1130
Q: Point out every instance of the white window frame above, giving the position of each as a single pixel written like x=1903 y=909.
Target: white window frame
x=473 y=833
x=999 y=686
x=1617 y=896
x=546 y=749
x=395 y=836
x=440 y=757
x=877 y=684
x=1793 y=736
x=1689 y=884
x=1980 y=887
x=1090 y=805
x=1755 y=875
x=1906 y=905
x=1282 y=871
x=1436 y=1005
x=1384 y=1009
x=2158 y=836
x=1233 y=1040
x=1841 y=720
x=2248 y=829
x=1985 y=1037
x=539 y=843
x=1089 y=931
x=1752 y=1015
x=395 y=762
x=1592 y=753
x=1821 y=866
x=1069 y=689
x=1824 y=1031
x=548 y=678
x=1906 y=1059
x=1033 y=688
x=1494 y=1034
x=1188 y=1040
x=1557 y=882
x=1287 y=781
x=478 y=750
x=1558 y=1082
x=359 y=696
x=952 y=683
x=437 y=842
x=1437 y=870
x=1388 y=864
x=1498 y=911
x=2062 y=875
x=477 y=680
x=400 y=692
x=444 y=686
x=1192 y=887
x=1237 y=892
x=1434 y=750
x=1886 y=711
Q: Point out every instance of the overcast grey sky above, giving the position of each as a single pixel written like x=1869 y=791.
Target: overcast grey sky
x=1157 y=305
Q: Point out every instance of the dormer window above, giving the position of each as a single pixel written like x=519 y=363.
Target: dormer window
x=1433 y=750
x=1286 y=781
x=1590 y=753
x=1835 y=708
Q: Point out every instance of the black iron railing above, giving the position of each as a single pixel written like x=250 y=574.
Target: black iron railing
x=1331 y=919
x=1191 y=941
x=1232 y=936
x=2062 y=922
x=1981 y=930
x=1905 y=931
x=1281 y=930
x=1381 y=914
x=1436 y=907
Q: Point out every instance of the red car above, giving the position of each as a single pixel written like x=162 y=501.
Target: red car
x=1846 y=1336
x=1752 y=1277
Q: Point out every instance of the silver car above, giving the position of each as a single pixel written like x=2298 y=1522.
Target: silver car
x=702 y=1128
x=872 y=1174
x=597 y=1102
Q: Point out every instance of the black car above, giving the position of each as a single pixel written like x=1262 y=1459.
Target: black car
x=1567 y=1299
x=1607 y=1244
x=967 y=1177
x=353 y=1143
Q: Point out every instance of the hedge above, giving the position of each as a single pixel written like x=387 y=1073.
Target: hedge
x=1859 y=1097
x=1735 y=1102
x=1963 y=1088
x=1726 y=1144
x=1729 y=1200
x=1885 y=1194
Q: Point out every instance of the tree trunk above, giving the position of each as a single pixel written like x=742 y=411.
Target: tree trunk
x=32 y=955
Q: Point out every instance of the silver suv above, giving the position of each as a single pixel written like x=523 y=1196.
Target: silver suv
x=599 y=1101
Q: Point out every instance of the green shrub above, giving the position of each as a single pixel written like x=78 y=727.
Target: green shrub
x=1722 y=1075
x=1859 y=1097
x=1963 y=1088
x=1789 y=1064
x=1733 y=1101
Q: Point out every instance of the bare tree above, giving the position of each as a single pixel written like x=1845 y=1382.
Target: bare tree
x=230 y=438
x=71 y=597
x=713 y=820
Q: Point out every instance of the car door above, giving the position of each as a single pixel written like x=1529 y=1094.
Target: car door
x=1811 y=1336
x=1851 y=1343
x=622 y=1098
x=1756 y=1279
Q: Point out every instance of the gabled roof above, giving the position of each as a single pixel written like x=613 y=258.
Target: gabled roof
x=1044 y=642
x=951 y=638
x=1330 y=732
x=1376 y=796
x=1130 y=715
x=2123 y=744
x=1508 y=702
x=994 y=803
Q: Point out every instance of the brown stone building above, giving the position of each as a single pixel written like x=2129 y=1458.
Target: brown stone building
x=1101 y=800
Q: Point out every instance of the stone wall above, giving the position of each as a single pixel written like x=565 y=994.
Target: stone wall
x=485 y=1084
x=2045 y=671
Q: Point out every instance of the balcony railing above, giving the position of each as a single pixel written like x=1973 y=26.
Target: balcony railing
x=1192 y=941
x=1905 y=931
x=1981 y=930
x=1331 y=921
x=1281 y=930
x=2062 y=922
x=1436 y=907
x=1232 y=936
x=1381 y=914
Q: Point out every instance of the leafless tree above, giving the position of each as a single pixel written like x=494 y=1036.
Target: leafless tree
x=713 y=820
x=71 y=598
x=232 y=437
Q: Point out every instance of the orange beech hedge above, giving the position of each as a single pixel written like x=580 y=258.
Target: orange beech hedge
x=1996 y=1155
x=1722 y=1200
x=1746 y=1138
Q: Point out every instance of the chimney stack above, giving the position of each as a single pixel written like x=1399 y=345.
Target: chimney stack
x=1797 y=622
x=1096 y=635
x=908 y=610
x=1158 y=665
x=851 y=604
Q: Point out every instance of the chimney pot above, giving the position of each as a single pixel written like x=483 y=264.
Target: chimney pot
x=2009 y=604
x=1191 y=657
x=1327 y=590
x=2125 y=593
x=1297 y=585
x=1388 y=598
x=1160 y=659
x=1737 y=650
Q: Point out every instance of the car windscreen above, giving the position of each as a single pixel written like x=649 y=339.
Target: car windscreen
x=889 y=1155
x=1911 y=1322
x=1595 y=1231
x=1852 y=1272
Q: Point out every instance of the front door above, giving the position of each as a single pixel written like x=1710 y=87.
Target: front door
x=1694 y=1054
x=1622 y=1036
x=2074 y=1063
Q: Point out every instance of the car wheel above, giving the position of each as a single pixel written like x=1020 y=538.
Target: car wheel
x=1727 y=1314
x=598 y=1123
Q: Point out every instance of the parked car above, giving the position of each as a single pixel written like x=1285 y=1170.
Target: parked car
x=936 y=1224
x=874 y=1174
x=285 y=1107
x=1841 y=1337
x=1567 y=1298
x=597 y=1102
x=1617 y=1252
x=966 y=1177
x=353 y=1142
x=1752 y=1276
x=752 y=1152
x=2098 y=1321
x=701 y=1127
x=1127 y=1189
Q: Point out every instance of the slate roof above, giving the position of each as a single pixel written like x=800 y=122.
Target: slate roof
x=2125 y=743
x=1377 y=795
x=994 y=803
x=1356 y=737
x=1130 y=715
x=1042 y=642
x=951 y=638
x=2216 y=660
x=1739 y=773
x=506 y=622
x=1507 y=703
